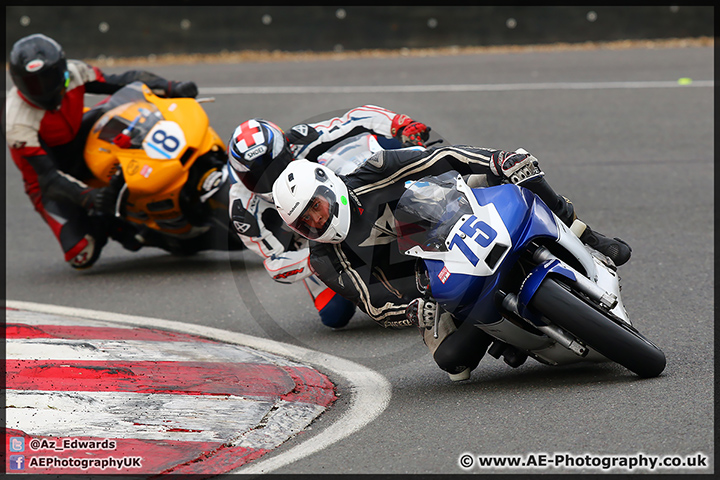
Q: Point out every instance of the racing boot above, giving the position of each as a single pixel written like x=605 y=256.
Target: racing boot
x=616 y=249
x=90 y=252
x=513 y=356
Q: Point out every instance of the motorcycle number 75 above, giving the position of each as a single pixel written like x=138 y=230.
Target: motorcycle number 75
x=165 y=141
x=477 y=243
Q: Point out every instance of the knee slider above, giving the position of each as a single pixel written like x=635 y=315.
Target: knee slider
x=464 y=350
x=450 y=358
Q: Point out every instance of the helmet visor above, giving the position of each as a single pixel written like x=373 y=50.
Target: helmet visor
x=317 y=215
x=47 y=87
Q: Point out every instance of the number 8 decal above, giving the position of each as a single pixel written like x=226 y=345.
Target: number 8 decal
x=161 y=138
x=166 y=140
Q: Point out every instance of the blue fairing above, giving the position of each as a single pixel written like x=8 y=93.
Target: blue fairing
x=526 y=217
x=524 y=214
x=457 y=290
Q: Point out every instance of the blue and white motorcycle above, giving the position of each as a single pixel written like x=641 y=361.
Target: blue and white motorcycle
x=498 y=257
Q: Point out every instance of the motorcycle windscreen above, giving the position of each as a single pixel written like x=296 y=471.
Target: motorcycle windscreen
x=130 y=93
x=427 y=211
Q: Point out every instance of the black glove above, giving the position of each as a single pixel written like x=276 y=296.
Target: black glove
x=421 y=312
x=182 y=89
x=515 y=167
x=98 y=200
x=103 y=200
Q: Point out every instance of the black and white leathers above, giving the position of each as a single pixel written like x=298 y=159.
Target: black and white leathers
x=367 y=268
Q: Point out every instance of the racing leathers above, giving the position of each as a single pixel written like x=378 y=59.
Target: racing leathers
x=368 y=269
x=47 y=147
x=261 y=229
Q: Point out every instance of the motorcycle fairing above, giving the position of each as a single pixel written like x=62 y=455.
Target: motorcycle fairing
x=504 y=219
x=142 y=132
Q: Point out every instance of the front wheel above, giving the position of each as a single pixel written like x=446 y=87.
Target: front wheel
x=614 y=340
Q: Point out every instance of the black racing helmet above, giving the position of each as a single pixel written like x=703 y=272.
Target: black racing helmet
x=258 y=151
x=38 y=69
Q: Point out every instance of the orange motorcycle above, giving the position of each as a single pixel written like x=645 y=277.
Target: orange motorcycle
x=168 y=167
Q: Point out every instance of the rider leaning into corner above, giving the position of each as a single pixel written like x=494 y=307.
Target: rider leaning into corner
x=354 y=251
x=259 y=150
x=46 y=132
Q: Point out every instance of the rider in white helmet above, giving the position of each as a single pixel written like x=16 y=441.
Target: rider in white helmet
x=351 y=220
x=259 y=150
x=325 y=217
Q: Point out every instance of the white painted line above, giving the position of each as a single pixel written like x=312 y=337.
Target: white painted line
x=370 y=391
x=490 y=87
x=283 y=422
x=149 y=416
x=487 y=87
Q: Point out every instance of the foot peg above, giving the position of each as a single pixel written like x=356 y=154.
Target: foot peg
x=511 y=355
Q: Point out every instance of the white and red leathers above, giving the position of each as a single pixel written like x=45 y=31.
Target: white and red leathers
x=261 y=229
x=47 y=145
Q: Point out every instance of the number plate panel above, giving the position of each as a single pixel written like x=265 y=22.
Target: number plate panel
x=165 y=141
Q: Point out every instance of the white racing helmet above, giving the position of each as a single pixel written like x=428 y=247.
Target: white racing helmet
x=295 y=189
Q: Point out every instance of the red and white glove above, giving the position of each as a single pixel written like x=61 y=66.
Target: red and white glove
x=408 y=131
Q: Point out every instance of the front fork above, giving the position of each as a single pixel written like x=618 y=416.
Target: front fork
x=510 y=303
x=606 y=299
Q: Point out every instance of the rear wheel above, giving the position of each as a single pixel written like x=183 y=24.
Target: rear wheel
x=613 y=339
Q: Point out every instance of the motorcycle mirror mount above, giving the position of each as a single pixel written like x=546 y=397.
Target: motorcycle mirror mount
x=122 y=140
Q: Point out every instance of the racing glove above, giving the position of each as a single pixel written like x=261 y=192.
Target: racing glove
x=515 y=167
x=421 y=312
x=408 y=131
x=182 y=89
x=102 y=200
x=98 y=200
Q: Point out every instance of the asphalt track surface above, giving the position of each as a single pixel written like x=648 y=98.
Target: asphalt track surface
x=614 y=132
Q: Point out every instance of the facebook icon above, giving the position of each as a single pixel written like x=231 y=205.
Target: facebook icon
x=17 y=462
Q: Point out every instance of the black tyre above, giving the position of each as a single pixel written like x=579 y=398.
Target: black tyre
x=613 y=339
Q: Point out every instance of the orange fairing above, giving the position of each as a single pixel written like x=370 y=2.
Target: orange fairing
x=156 y=141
